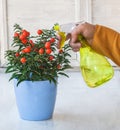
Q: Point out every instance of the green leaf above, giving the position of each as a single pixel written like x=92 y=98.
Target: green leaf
x=63 y=74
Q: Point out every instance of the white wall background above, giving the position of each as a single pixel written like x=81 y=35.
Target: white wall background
x=34 y=14
x=44 y=13
x=106 y=12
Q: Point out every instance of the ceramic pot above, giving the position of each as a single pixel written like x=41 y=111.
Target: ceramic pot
x=35 y=100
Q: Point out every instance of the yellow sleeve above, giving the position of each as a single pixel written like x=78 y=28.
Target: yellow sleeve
x=107 y=42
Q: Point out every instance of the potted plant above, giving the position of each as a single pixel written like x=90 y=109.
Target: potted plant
x=35 y=64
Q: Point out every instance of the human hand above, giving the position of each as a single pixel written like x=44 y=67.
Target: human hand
x=85 y=29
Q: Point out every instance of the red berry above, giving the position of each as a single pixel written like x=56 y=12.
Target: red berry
x=47 y=45
x=52 y=40
x=23 y=60
x=22 y=37
x=51 y=58
x=16 y=34
x=60 y=51
x=23 y=51
x=41 y=51
x=31 y=42
x=25 y=33
x=24 y=41
x=48 y=51
x=27 y=49
x=58 y=66
x=17 y=54
x=39 y=32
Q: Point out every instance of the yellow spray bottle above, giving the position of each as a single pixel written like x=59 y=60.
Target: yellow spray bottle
x=62 y=34
x=94 y=67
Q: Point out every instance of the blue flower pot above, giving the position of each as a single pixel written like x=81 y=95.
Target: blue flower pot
x=35 y=100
